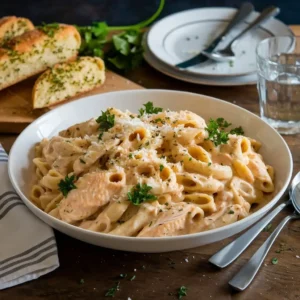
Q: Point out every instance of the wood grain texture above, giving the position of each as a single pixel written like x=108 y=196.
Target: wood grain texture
x=16 y=102
x=158 y=276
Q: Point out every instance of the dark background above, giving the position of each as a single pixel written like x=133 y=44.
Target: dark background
x=124 y=12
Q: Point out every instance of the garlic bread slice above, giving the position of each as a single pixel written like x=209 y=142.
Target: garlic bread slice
x=36 y=50
x=67 y=80
x=13 y=26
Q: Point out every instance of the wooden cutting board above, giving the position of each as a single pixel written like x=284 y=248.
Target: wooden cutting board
x=15 y=102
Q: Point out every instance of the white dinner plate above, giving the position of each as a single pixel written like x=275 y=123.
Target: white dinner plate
x=198 y=79
x=181 y=36
x=21 y=169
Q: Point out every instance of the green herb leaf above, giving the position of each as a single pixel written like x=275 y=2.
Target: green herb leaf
x=130 y=155
x=112 y=291
x=65 y=186
x=106 y=120
x=100 y=135
x=231 y=212
x=182 y=291
x=238 y=131
x=161 y=167
x=121 y=44
x=216 y=133
x=158 y=120
x=132 y=278
x=49 y=29
x=274 y=260
x=267 y=228
x=124 y=51
x=149 y=109
x=140 y=193
x=222 y=123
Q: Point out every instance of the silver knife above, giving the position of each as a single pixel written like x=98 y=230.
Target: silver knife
x=245 y=10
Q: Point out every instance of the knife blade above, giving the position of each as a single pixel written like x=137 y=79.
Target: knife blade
x=245 y=10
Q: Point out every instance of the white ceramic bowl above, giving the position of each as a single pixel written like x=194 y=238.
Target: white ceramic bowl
x=274 y=150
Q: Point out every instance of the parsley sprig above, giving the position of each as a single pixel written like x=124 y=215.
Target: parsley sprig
x=182 y=291
x=106 y=120
x=65 y=186
x=124 y=51
x=149 y=109
x=216 y=133
x=140 y=193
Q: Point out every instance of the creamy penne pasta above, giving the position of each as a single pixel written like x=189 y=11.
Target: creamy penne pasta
x=153 y=174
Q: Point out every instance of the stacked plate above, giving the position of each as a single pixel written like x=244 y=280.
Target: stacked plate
x=181 y=36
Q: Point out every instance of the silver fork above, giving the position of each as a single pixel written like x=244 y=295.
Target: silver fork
x=227 y=54
x=245 y=276
x=232 y=251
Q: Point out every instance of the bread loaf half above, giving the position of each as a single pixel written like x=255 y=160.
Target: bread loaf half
x=36 y=50
x=67 y=80
x=13 y=26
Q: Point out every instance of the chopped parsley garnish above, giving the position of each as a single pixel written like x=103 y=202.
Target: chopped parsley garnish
x=209 y=164
x=140 y=193
x=267 y=228
x=231 y=212
x=106 y=120
x=216 y=133
x=161 y=167
x=65 y=186
x=182 y=291
x=49 y=29
x=82 y=161
x=132 y=278
x=239 y=131
x=159 y=120
x=149 y=109
x=112 y=291
x=190 y=159
x=130 y=155
x=100 y=135
x=274 y=260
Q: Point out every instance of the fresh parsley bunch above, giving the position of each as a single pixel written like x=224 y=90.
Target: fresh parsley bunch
x=124 y=51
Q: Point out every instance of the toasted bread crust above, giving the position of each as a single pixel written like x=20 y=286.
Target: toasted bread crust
x=35 y=51
x=12 y=26
x=77 y=77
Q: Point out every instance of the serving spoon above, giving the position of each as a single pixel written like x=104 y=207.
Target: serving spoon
x=232 y=251
x=227 y=54
x=245 y=276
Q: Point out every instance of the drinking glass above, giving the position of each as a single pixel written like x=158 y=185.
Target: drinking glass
x=278 y=64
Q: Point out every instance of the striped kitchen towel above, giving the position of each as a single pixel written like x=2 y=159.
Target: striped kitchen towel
x=27 y=245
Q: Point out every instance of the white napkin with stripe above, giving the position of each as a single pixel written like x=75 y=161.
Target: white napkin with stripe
x=27 y=245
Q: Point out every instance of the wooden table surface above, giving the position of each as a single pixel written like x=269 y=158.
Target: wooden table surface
x=87 y=272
